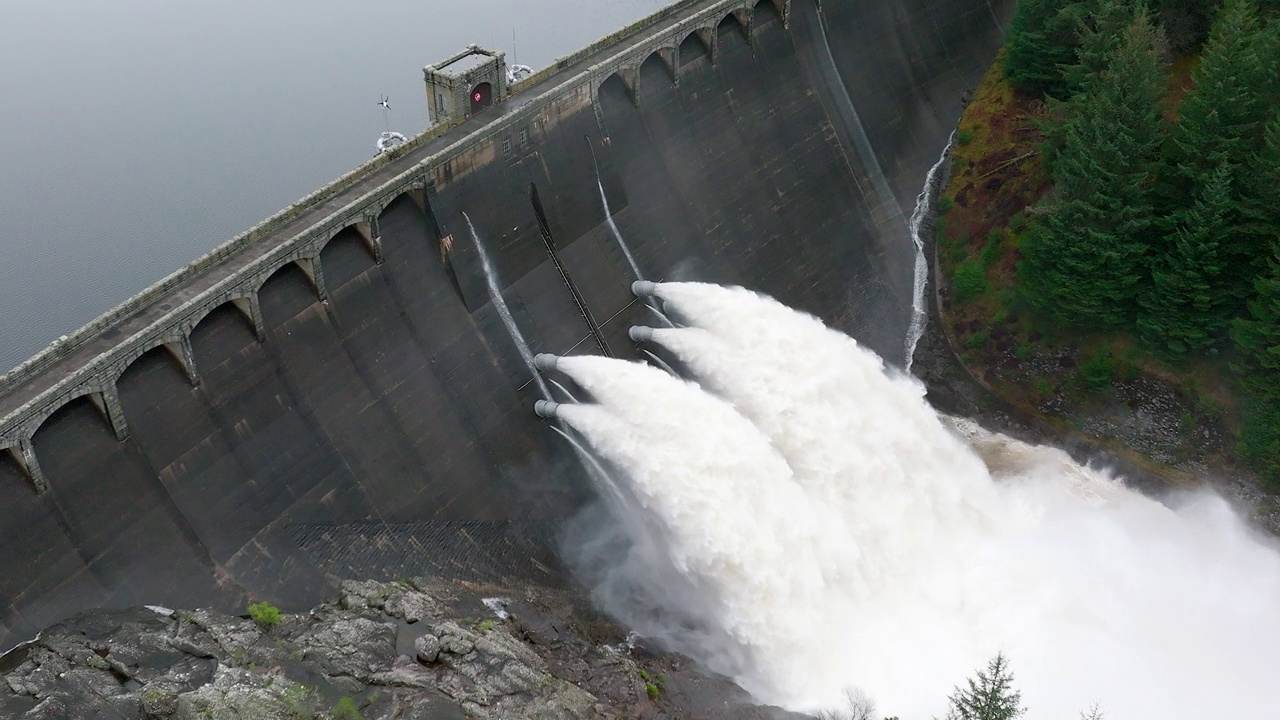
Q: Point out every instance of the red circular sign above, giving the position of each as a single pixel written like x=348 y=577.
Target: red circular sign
x=477 y=96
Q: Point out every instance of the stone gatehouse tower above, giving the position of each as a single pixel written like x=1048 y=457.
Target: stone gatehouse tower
x=465 y=84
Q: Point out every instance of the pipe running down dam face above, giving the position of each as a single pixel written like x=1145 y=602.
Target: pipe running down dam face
x=358 y=407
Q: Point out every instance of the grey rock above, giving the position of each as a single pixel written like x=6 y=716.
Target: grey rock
x=238 y=694
x=416 y=607
x=53 y=708
x=160 y=700
x=203 y=665
x=405 y=673
x=354 y=646
x=454 y=638
x=428 y=647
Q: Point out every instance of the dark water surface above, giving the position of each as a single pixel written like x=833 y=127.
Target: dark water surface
x=137 y=135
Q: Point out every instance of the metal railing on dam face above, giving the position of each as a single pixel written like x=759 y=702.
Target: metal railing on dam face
x=89 y=362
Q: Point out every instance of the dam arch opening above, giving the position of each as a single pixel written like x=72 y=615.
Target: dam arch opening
x=13 y=477
x=616 y=87
x=765 y=11
x=694 y=47
x=656 y=71
x=731 y=24
x=345 y=257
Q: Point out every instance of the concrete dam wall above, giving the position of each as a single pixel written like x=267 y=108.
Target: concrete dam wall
x=333 y=392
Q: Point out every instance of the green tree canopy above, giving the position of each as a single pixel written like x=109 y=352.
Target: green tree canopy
x=1189 y=305
x=1100 y=27
x=1222 y=117
x=1041 y=44
x=989 y=696
x=1085 y=263
x=1222 y=122
x=1257 y=335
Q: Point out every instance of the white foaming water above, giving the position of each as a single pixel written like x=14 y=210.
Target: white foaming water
x=641 y=424
x=924 y=202
x=841 y=535
x=495 y=295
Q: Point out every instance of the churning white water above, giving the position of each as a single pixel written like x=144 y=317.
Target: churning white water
x=823 y=529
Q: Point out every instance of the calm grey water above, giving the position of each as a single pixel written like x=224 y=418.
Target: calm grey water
x=139 y=134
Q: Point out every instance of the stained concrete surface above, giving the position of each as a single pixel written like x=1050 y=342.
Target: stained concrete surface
x=396 y=415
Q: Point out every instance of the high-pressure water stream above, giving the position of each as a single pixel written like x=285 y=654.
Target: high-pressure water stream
x=832 y=531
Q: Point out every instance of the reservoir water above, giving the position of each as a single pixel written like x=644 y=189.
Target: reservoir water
x=139 y=135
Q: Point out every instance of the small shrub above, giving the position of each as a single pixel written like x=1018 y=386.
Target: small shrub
x=346 y=710
x=978 y=339
x=1098 y=371
x=1208 y=404
x=970 y=280
x=265 y=614
x=300 y=702
x=991 y=251
x=487 y=625
x=964 y=137
x=1021 y=352
x=652 y=685
x=945 y=203
x=1044 y=388
x=1018 y=222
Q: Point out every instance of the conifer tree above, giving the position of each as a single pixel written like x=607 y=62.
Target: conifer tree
x=1085 y=263
x=1100 y=31
x=989 y=697
x=1189 y=307
x=1222 y=121
x=1257 y=335
x=1260 y=192
x=1042 y=42
x=1222 y=118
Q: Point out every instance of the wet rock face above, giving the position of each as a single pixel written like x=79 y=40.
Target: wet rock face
x=383 y=650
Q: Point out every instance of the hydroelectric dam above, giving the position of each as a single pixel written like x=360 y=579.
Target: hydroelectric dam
x=332 y=393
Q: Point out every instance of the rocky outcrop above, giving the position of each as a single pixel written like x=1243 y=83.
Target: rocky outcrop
x=407 y=650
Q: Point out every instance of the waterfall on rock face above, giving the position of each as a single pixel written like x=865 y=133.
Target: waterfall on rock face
x=924 y=204
x=825 y=530
x=495 y=295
